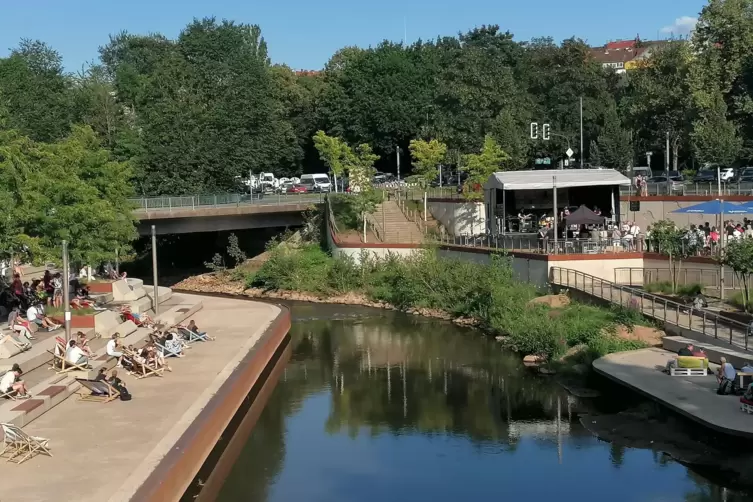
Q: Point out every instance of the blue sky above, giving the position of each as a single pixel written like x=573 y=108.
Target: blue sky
x=303 y=33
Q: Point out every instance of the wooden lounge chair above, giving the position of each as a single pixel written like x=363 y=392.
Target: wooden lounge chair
x=99 y=391
x=141 y=368
x=165 y=351
x=192 y=336
x=19 y=446
x=59 y=363
x=11 y=394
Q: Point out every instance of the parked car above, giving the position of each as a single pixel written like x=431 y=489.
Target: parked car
x=316 y=182
x=285 y=186
x=298 y=189
x=746 y=174
x=705 y=175
x=675 y=183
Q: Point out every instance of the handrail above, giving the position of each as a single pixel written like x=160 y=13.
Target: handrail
x=708 y=278
x=169 y=203
x=718 y=321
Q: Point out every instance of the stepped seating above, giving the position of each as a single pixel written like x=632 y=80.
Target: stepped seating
x=54 y=389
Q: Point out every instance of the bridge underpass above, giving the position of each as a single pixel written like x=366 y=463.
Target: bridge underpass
x=182 y=215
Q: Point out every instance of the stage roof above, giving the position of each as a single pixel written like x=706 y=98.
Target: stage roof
x=544 y=180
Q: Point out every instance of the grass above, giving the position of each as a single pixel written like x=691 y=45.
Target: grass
x=487 y=292
x=59 y=312
x=736 y=299
x=665 y=287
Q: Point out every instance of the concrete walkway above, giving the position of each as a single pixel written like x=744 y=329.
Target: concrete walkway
x=694 y=397
x=106 y=451
x=697 y=322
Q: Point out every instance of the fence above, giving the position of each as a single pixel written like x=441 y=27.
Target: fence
x=690 y=188
x=219 y=200
x=662 y=309
x=533 y=244
x=708 y=278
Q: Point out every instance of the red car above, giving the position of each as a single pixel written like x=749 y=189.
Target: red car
x=297 y=189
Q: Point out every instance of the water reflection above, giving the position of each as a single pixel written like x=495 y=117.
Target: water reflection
x=392 y=407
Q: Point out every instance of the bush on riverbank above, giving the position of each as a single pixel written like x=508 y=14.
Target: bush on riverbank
x=665 y=287
x=486 y=292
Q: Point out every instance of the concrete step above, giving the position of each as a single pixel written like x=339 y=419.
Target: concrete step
x=715 y=351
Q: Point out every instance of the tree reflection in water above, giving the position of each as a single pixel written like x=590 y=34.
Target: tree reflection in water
x=401 y=376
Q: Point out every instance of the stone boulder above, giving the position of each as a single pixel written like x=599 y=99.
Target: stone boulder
x=553 y=301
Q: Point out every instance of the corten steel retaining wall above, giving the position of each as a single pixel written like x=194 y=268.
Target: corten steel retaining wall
x=173 y=475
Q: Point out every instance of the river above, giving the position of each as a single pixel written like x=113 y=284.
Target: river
x=377 y=406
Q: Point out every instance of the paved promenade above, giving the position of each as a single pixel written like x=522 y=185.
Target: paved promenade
x=106 y=451
x=694 y=397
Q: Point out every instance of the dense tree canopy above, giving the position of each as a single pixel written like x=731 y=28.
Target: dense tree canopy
x=193 y=113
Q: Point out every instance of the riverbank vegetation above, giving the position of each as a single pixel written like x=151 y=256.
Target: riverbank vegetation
x=488 y=293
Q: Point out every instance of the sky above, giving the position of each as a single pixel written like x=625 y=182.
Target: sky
x=304 y=34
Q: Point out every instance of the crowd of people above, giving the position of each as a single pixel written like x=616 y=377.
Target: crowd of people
x=704 y=240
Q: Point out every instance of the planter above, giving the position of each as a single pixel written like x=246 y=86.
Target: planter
x=100 y=287
x=77 y=321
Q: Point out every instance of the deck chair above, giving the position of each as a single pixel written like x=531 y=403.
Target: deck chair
x=165 y=351
x=192 y=336
x=19 y=446
x=22 y=345
x=99 y=391
x=59 y=363
x=141 y=368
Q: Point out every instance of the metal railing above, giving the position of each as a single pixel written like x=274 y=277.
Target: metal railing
x=661 y=309
x=531 y=243
x=708 y=278
x=691 y=188
x=219 y=200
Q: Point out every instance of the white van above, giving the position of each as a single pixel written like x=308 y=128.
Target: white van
x=316 y=182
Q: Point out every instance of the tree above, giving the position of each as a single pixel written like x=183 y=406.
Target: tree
x=360 y=165
x=427 y=155
x=480 y=166
x=670 y=241
x=614 y=146
x=738 y=255
x=333 y=152
x=715 y=138
x=36 y=92
x=658 y=99
x=70 y=190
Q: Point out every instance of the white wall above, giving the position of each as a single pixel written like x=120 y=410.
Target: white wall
x=357 y=253
x=460 y=218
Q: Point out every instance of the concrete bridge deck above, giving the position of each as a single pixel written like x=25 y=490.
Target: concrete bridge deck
x=114 y=451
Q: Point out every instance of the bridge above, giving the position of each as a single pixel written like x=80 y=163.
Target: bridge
x=212 y=213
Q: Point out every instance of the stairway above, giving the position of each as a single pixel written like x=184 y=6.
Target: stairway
x=392 y=225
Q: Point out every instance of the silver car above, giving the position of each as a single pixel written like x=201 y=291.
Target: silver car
x=675 y=183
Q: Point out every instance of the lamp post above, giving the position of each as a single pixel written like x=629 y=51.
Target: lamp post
x=66 y=293
x=154 y=271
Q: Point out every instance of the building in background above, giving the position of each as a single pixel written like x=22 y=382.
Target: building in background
x=625 y=55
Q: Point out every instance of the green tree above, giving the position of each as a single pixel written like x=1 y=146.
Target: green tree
x=668 y=239
x=360 y=165
x=658 y=99
x=614 y=146
x=333 y=152
x=69 y=190
x=427 y=155
x=715 y=137
x=480 y=166
x=36 y=92
x=738 y=255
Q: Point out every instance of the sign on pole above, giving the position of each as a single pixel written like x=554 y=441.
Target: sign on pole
x=569 y=152
x=534 y=130
x=545 y=132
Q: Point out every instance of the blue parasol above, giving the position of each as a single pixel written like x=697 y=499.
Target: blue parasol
x=715 y=207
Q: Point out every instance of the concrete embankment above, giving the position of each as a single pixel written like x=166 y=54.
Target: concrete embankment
x=692 y=397
x=150 y=448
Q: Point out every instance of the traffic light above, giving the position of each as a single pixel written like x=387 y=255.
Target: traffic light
x=534 y=130
x=545 y=132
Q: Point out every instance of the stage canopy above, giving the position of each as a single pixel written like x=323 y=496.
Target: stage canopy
x=584 y=216
x=545 y=180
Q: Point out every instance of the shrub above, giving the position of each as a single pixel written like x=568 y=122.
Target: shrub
x=665 y=287
x=737 y=300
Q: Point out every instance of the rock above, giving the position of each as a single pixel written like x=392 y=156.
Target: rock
x=546 y=371
x=499 y=338
x=533 y=359
x=553 y=301
x=580 y=369
x=650 y=336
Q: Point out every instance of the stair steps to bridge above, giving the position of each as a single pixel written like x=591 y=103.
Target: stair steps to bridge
x=394 y=227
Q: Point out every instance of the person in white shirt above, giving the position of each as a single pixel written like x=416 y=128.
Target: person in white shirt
x=75 y=355
x=34 y=314
x=10 y=381
x=112 y=349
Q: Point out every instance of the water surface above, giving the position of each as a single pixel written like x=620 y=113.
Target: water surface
x=376 y=406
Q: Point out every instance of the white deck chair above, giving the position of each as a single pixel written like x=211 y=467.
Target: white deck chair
x=24 y=446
